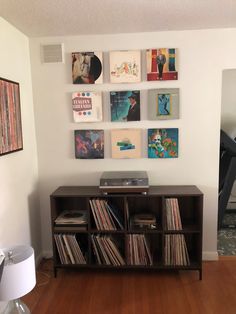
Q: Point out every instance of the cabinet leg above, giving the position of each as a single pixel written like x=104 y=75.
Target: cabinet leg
x=200 y=274
x=55 y=272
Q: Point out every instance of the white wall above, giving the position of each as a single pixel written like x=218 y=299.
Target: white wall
x=201 y=60
x=19 y=201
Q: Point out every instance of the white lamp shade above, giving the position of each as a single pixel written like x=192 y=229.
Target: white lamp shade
x=18 y=277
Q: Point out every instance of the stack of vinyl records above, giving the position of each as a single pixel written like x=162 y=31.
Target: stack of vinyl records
x=173 y=219
x=72 y=217
x=69 y=249
x=106 y=216
x=143 y=220
x=106 y=250
x=176 y=252
x=138 y=250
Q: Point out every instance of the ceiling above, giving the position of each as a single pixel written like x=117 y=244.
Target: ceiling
x=37 y=18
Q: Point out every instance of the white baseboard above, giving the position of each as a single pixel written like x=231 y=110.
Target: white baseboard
x=44 y=254
x=47 y=254
x=210 y=256
x=38 y=259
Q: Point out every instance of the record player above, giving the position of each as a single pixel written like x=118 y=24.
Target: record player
x=124 y=182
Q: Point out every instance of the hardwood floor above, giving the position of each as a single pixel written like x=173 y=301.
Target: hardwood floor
x=99 y=292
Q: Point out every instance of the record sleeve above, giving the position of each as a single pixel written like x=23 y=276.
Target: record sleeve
x=87 y=68
x=87 y=106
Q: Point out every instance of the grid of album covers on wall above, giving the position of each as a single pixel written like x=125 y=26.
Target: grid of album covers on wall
x=124 y=104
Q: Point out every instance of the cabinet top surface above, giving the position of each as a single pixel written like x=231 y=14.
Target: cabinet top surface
x=160 y=190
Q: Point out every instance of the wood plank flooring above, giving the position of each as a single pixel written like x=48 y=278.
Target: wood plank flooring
x=109 y=292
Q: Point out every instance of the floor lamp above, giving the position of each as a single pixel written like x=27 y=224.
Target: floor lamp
x=18 y=277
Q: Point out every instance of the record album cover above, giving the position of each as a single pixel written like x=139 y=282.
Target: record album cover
x=125 y=106
x=163 y=104
x=87 y=106
x=162 y=64
x=72 y=217
x=163 y=143
x=89 y=144
x=126 y=143
x=125 y=66
x=87 y=68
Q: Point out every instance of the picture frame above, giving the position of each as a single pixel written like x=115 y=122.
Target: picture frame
x=163 y=143
x=162 y=64
x=11 y=139
x=163 y=104
x=125 y=66
x=126 y=143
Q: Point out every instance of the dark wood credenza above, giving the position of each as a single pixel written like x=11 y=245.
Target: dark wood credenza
x=190 y=203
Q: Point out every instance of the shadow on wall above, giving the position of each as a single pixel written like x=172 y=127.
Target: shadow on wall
x=35 y=221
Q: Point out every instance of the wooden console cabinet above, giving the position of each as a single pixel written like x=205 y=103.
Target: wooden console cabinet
x=139 y=248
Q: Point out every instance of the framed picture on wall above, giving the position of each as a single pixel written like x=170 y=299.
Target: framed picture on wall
x=89 y=144
x=87 y=67
x=125 y=66
x=163 y=143
x=125 y=105
x=163 y=104
x=126 y=143
x=11 y=139
x=162 y=64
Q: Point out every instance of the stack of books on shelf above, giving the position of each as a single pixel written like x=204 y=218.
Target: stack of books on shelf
x=176 y=252
x=77 y=218
x=143 y=221
x=106 y=250
x=173 y=219
x=138 y=250
x=69 y=249
x=105 y=215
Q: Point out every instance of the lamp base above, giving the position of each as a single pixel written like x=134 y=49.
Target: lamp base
x=16 y=307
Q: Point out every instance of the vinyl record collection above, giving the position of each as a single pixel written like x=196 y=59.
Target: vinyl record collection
x=68 y=217
x=105 y=215
x=69 y=249
x=138 y=250
x=106 y=250
x=173 y=219
x=143 y=221
x=176 y=252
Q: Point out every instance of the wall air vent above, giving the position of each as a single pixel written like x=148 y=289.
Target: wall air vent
x=53 y=53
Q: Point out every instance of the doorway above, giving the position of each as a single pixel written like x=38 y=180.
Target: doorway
x=227 y=227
